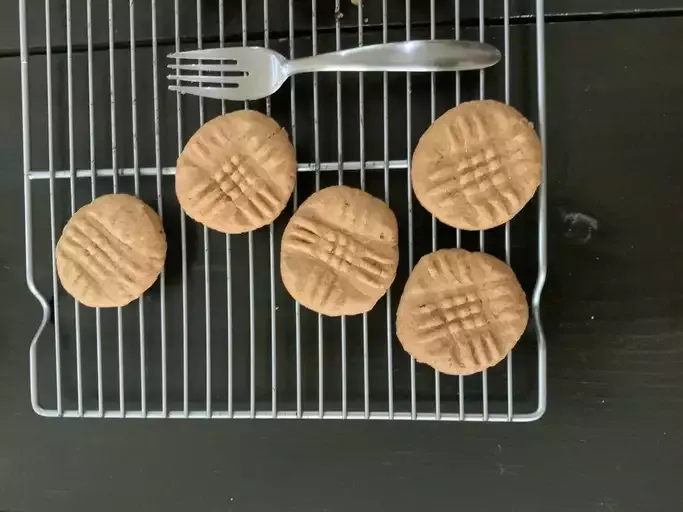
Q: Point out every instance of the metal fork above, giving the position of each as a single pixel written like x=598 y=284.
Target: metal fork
x=254 y=73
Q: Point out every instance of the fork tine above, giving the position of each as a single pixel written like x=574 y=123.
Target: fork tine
x=210 y=54
x=203 y=67
x=208 y=79
x=218 y=93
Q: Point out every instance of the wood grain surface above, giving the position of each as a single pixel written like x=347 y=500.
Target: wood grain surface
x=611 y=439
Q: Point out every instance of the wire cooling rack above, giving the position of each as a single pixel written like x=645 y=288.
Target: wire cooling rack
x=218 y=336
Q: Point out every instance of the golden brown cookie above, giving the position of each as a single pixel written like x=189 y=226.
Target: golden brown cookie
x=461 y=312
x=236 y=173
x=340 y=251
x=111 y=251
x=477 y=165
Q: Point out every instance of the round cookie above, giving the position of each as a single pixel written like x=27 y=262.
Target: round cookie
x=461 y=312
x=237 y=172
x=340 y=251
x=111 y=251
x=477 y=165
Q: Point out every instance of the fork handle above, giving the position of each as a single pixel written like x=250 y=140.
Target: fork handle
x=408 y=56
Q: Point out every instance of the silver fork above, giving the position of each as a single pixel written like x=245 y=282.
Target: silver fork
x=255 y=73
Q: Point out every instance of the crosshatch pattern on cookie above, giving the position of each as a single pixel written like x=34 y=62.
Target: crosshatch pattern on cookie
x=461 y=312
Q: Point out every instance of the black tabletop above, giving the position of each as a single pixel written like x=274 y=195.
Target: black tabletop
x=612 y=308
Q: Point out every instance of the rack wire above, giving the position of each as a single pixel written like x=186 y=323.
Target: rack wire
x=250 y=351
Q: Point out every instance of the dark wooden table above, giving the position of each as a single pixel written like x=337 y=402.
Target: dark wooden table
x=612 y=439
